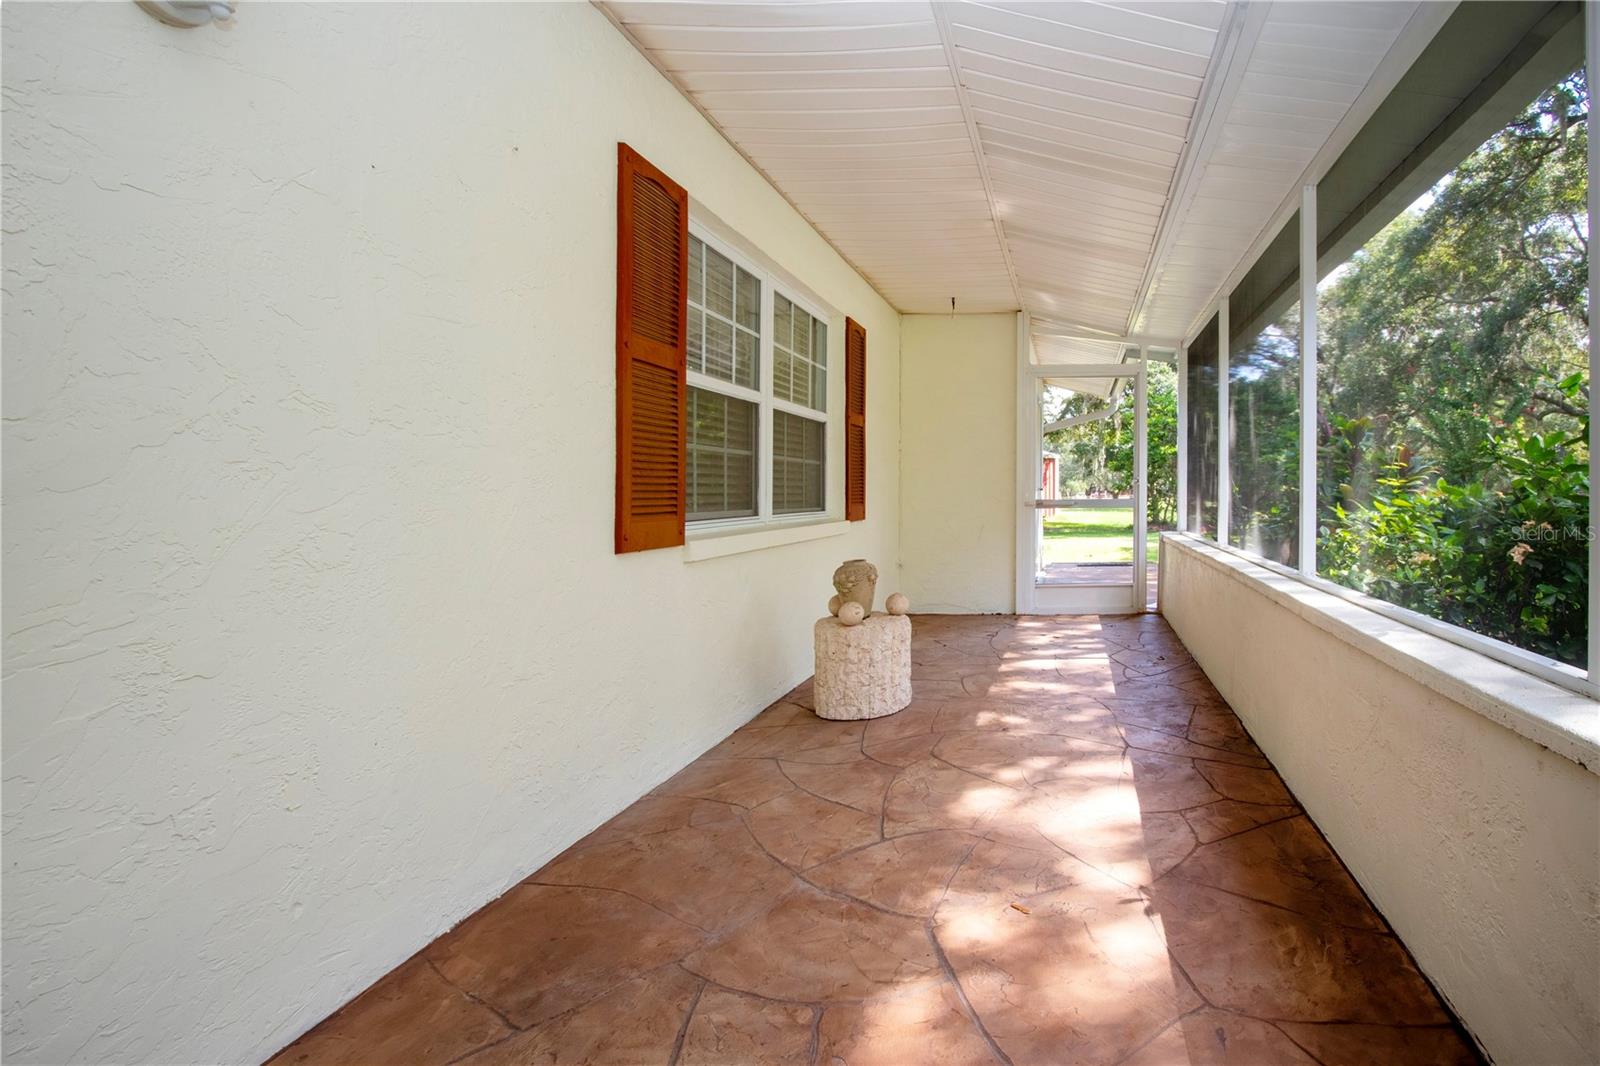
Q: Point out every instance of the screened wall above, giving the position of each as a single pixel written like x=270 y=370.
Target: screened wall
x=1264 y=404
x=1454 y=390
x=1450 y=411
x=1200 y=422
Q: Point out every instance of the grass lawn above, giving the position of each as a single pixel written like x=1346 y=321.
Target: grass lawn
x=1093 y=535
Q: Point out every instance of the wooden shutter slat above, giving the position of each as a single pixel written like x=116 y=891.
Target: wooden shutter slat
x=652 y=383
x=855 y=428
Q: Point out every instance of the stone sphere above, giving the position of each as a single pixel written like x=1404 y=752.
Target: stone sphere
x=852 y=614
x=833 y=606
x=898 y=604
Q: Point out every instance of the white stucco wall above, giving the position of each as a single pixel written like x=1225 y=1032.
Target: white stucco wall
x=314 y=637
x=958 y=493
x=1480 y=847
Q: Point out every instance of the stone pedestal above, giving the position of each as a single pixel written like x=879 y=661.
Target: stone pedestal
x=863 y=671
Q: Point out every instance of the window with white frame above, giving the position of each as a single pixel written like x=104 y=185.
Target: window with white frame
x=758 y=393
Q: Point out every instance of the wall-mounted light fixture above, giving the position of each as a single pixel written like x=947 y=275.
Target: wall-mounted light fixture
x=187 y=14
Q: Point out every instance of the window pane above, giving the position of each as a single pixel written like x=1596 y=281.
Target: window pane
x=719 y=348
x=1264 y=435
x=819 y=359
x=802 y=334
x=749 y=301
x=782 y=321
x=782 y=374
x=1200 y=396
x=697 y=339
x=744 y=352
x=722 y=456
x=697 y=271
x=797 y=463
x=800 y=347
x=719 y=283
x=800 y=384
x=1263 y=394
x=1453 y=392
x=1161 y=387
x=782 y=370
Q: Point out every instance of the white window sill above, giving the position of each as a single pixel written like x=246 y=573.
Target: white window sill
x=1546 y=713
x=714 y=544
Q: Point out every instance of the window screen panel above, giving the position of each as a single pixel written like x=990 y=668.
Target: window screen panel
x=722 y=456
x=697 y=300
x=797 y=463
x=747 y=295
x=1453 y=391
x=1264 y=403
x=718 y=348
x=1201 y=426
x=719 y=284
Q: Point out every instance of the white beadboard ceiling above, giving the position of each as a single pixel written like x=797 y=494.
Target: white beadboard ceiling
x=1103 y=166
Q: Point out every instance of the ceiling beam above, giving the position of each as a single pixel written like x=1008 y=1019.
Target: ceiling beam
x=941 y=18
x=1236 y=43
x=1058 y=329
x=1154 y=343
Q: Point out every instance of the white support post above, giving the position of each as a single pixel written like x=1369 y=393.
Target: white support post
x=1141 y=468
x=1224 y=438
x=1029 y=518
x=1307 y=528
x=1592 y=60
x=1182 y=511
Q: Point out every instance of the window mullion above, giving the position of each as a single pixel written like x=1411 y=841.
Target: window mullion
x=726 y=388
x=800 y=409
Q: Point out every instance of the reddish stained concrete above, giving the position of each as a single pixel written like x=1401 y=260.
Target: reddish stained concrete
x=1066 y=850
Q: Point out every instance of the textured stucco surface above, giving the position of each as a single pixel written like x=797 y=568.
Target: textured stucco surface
x=864 y=670
x=1480 y=847
x=958 y=494
x=314 y=638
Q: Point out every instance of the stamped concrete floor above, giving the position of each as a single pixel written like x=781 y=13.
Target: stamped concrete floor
x=1066 y=850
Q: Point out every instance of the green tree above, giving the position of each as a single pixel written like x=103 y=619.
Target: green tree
x=1264 y=397
x=1161 y=385
x=1098 y=456
x=1453 y=396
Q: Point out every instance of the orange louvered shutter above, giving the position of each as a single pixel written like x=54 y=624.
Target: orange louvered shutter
x=652 y=390
x=855 y=420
